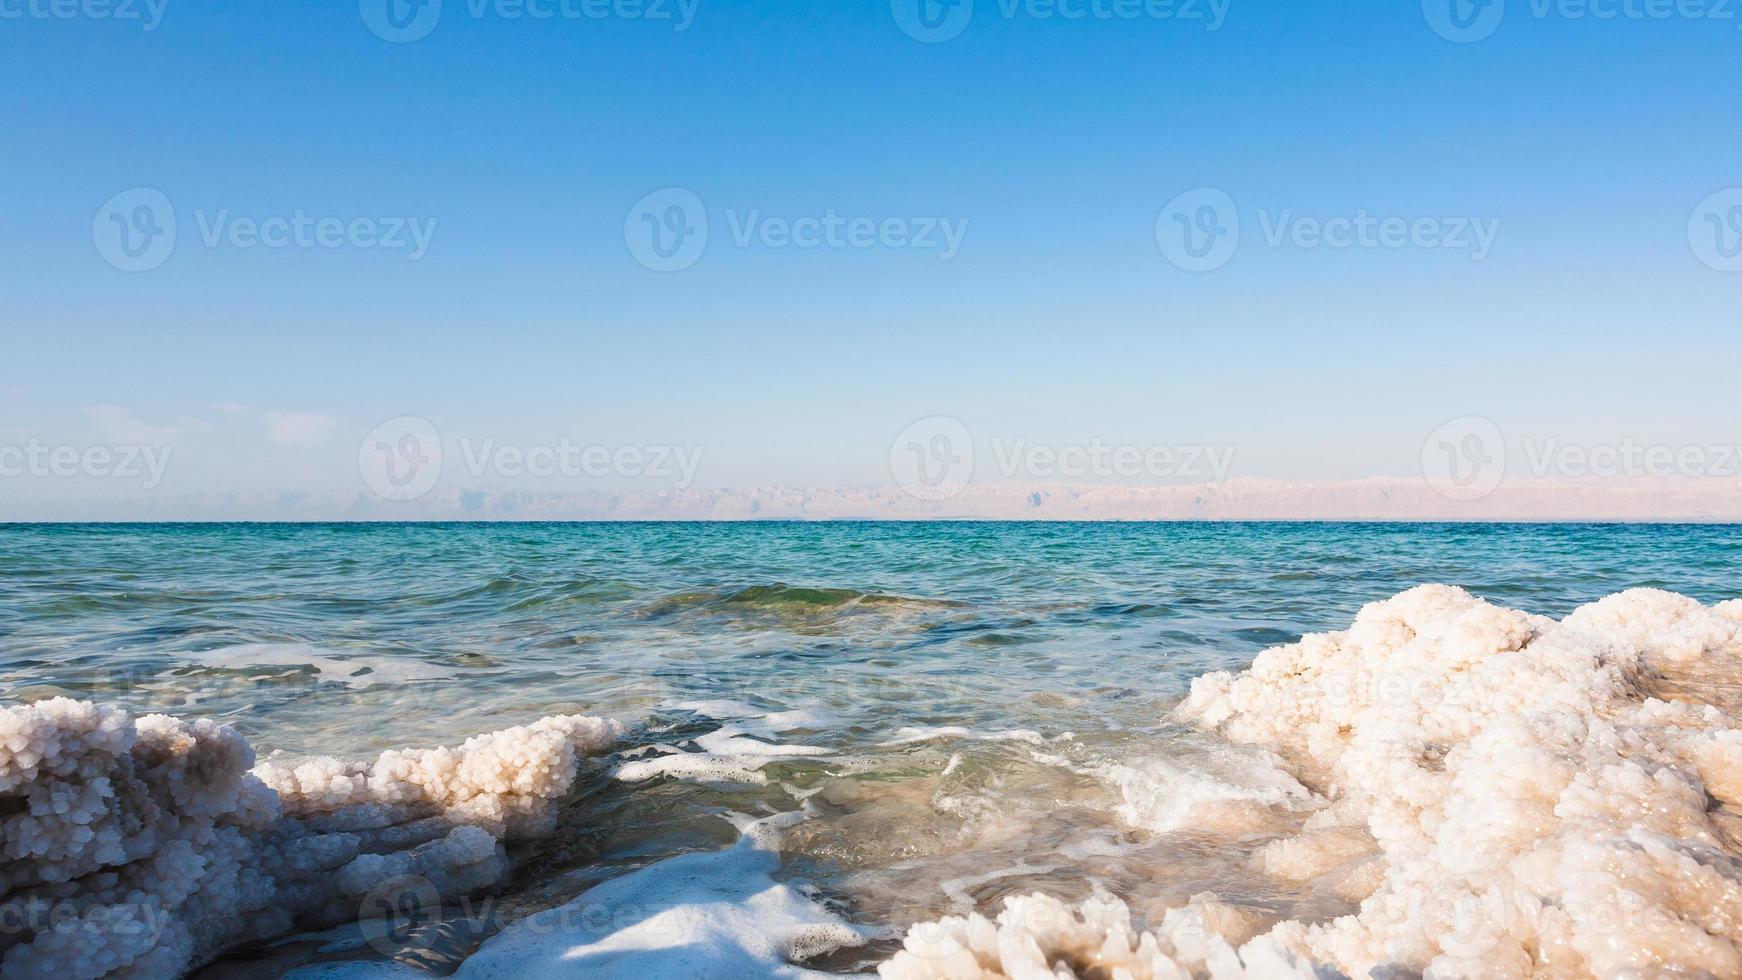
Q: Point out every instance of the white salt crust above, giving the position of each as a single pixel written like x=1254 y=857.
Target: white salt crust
x=1040 y=938
x=1502 y=794
x=141 y=847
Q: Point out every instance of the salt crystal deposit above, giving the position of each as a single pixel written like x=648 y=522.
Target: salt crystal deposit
x=1041 y=937
x=141 y=847
x=1504 y=795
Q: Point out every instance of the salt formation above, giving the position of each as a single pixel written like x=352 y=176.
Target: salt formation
x=140 y=847
x=1041 y=938
x=1502 y=794
x=1532 y=809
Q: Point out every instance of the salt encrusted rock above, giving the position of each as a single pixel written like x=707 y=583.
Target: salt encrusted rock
x=1534 y=810
x=1504 y=795
x=141 y=847
x=1039 y=936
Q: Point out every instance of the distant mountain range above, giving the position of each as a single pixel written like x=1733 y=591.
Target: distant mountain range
x=1374 y=499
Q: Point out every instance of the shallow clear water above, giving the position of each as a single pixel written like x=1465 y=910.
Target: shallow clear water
x=981 y=705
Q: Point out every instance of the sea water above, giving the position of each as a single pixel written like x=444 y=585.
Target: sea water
x=962 y=712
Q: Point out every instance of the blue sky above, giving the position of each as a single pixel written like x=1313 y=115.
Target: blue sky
x=1053 y=144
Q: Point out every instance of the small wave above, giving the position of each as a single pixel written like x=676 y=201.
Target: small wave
x=353 y=670
x=734 y=752
x=780 y=597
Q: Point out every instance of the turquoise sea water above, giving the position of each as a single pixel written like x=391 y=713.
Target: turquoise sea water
x=998 y=682
x=941 y=621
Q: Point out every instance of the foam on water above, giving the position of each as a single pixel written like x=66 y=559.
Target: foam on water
x=717 y=915
x=1218 y=788
x=354 y=670
x=735 y=752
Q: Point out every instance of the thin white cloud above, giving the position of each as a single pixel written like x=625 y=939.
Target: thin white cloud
x=119 y=426
x=299 y=428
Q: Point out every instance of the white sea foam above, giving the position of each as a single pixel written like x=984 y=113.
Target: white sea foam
x=914 y=734
x=353 y=670
x=139 y=847
x=717 y=915
x=1502 y=794
x=1218 y=789
x=734 y=752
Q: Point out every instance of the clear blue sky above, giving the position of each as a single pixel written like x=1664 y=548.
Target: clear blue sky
x=1058 y=141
